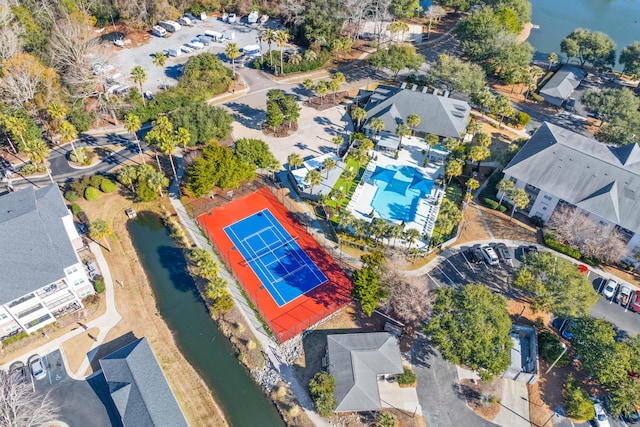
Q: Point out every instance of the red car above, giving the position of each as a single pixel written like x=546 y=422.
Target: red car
x=635 y=304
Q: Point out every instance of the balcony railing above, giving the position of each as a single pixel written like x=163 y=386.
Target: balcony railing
x=29 y=310
x=59 y=301
x=52 y=289
x=21 y=300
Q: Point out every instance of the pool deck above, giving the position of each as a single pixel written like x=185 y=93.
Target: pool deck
x=411 y=155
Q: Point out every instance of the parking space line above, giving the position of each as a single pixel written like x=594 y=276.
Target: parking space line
x=468 y=263
x=454 y=267
x=445 y=275
x=434 y=280
x=46 y=364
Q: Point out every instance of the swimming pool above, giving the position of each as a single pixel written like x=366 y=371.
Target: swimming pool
x=399 y=191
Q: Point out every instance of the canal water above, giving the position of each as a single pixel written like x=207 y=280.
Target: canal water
x=619 y=19
x=197 y=335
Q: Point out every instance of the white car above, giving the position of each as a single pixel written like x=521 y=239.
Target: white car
x=489 y=255
x=601 y=418
x=37 y=367
x=232 y=18
x=610 y=289
x=186 y=49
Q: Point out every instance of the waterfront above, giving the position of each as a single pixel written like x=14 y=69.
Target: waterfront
x=619 y=19
x=196 y=334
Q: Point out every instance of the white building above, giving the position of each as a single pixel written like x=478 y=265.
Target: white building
x=560 y=167
x=41 y=276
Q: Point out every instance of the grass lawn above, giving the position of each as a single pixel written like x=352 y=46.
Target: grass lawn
x=453 y=193
x=347 y=189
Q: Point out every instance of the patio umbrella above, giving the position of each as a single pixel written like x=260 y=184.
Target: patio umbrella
x=383 y=174
x=421 y=184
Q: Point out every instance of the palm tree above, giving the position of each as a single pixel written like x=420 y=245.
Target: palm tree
x=295 y=58
x=478 y=153
x=552 y=59
x=402 y=131
x=360 y=227
x=127 y=175
x=520 y=199
x=310 y=55
x=100 y=229
x=281 y=38
x=396 y=231
x=378 y=228
x=294 y=160
x=313 y=178
x=17 y=126
x=133 y=125
x=269 y=37
x=57 y=111
x=232 y=51
x=359 y=114
x=411 y=235
x=161 y=134
x=366 y=145
x=474 y=127
x=308 y=84
x=348 y=177
x=322 y=89
x=156 y=181
x=68 y=133
x=337 y=140
x=37 y=151
x=376 y=124
x=472 y=184
x=328 y=165
x=168 y=146
x=453 y=168
x=413 y=120
x=432 y=140
x=159 y=60
x=183 y=137
x=139 y=76
x=345 y=218
x=336 y=47
x=506 y=186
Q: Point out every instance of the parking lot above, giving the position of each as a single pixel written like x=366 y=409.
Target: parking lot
x=79 y=402
x=124 y=59
x=459 y=269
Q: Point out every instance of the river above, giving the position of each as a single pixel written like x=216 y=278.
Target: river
x=619 y=19
x=197 y=335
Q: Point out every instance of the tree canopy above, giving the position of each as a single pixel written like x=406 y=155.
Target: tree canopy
x=630 y=59
x=396 y=58
x=471 y=326
x=367 y=286
x=555 y=285
x=594 y=47
x=617 y=107
x=255 y=152
x=218 y=167
x=458 y=75
x=204 y=123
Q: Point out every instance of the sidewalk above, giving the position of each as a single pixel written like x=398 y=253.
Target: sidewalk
x=105 y=322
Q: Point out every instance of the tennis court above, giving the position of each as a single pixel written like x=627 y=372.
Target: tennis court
x=285 y=270
x=288 y=277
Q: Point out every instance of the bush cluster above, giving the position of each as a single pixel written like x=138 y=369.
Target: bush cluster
x=550 y=348
x=407 y=377
x=98 y=283
x=321 y=388
x=91 y=193
x=493 y=204
x=289 y=67
x=15 y=338
x=550 y=241
x=579 y=405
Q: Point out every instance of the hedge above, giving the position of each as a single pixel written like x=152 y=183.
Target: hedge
x=71 y=196
x=490 y=203
x=15 y=338
x=554 y=244
x=75 y=209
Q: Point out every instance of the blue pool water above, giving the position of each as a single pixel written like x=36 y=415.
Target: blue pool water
x=399 y=192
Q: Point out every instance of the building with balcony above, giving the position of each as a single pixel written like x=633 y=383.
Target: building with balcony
x=41 y=275
x=559 y=167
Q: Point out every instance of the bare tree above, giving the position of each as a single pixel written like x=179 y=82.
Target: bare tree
x=355 y=11
x=574 y=227
x=409 y=299
x=24 y=77
x=10 y=32
x=21 y=407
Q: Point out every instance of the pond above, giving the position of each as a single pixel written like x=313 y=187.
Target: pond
x=196 y=334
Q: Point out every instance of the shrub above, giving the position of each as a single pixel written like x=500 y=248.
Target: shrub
x=98 y=283
x=321 y=388
x=490 y=203
x=303 y=66
x=537 y=97
x=144 y=193
x=95 y=181
x=75 y=209
x=71 y=195
x=79 y=118
x=386 y=419
x=28 y=169
x=78 y=155
x=537 y=221
x=91 y=193
x=523 y=118
x=407 y=377
x=15 y=338
x=551 y=242
x=107 y=186
x=79 y=184
x=550 y=348
x=579 y=406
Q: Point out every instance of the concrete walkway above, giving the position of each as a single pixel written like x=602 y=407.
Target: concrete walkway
x=104 y=323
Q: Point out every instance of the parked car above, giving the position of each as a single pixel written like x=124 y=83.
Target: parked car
x=158 y=31
x=601 y=418
x=186 y=49
x=91 y=266
x=503 y=252
x=489 y=255
x=18 y=371
x=195 y=45
x=571 y=104
x=474 y=255
x=569 y=328
x=36 y=365
x=635 y=302
x=624 y=296
x=610 y=289
x=531 y=249
x=232 y=18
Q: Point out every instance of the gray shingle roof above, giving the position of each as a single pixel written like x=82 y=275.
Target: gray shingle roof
x=139 y=389
x=355 y=360
x=35 y=246
x=598 y=178
x=446 y=117
x=563 y=82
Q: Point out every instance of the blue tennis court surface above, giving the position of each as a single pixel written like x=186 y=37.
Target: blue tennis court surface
x=284 y=269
